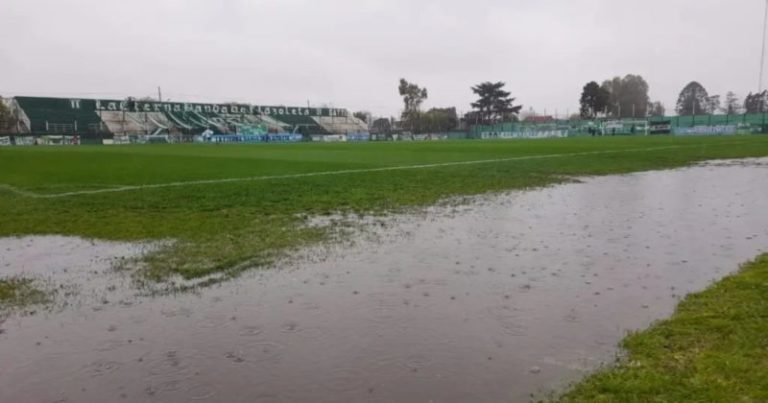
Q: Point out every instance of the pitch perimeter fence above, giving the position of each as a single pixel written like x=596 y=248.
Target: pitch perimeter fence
x=676 y=125
x=713 y=125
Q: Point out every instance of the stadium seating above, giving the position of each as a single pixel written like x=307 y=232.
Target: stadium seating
x=116 y=123
x=302 y=124
x=273 y=125
x=61 y=116
x=343 y=125
x=55 y=115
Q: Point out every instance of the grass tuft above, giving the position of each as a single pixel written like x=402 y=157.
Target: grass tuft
x=20 y=292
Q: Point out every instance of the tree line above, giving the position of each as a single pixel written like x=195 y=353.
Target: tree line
x=493 y=105
x=628 y=97
x=616 y=98
x=695 y=100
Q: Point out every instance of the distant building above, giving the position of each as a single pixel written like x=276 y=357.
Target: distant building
x=538 y=119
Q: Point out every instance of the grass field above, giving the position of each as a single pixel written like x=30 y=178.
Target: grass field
x=224 y=225
x=714 y=349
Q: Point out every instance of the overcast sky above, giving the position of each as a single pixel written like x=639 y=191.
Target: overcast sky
x=351 y=53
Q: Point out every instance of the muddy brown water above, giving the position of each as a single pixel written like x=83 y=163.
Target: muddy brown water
x=512 y=295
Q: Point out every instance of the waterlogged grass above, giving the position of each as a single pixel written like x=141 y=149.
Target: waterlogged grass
x=714 y=349
x=20 y=292
x=230 y=253
x=226 y=227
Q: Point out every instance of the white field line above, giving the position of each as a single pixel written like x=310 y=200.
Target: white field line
x=129 y=188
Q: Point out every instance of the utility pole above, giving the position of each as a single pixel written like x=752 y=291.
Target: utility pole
x=694 y=101
x=160 y=92
x=762 y=57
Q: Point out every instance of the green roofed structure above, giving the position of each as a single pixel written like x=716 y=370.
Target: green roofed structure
x=110 y=118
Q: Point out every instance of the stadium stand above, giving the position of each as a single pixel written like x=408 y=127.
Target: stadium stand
x=273 y=125
x=109 y=118
x=55 y=115
x=303 y=125
x=343 y=124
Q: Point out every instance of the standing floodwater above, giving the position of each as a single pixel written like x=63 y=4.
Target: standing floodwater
x=512 y=295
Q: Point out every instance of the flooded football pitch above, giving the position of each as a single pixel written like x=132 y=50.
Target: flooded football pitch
x=506 y=297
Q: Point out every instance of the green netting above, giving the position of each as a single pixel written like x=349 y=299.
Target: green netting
x=744 y=123
x=714 y=120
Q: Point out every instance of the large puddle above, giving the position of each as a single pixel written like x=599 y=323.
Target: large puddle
x=514 y=295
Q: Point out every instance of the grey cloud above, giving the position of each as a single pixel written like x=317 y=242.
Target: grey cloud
x=351 y=53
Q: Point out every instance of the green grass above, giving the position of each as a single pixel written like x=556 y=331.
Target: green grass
x=714 y=349
x=218 y=227
x=19 y=292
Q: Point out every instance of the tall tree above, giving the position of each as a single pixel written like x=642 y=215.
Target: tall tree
x=438 y=120
x=656 y=109
x=756 y=103
x=470 y=118
x=381 y=125
x=413 y=97
x=732 y=104
x=693 y=100
x=594 y=100
x=494 y=104
x=629 y=96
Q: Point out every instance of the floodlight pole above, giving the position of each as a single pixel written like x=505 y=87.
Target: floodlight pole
x=762 y=57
